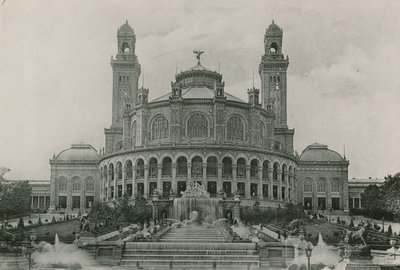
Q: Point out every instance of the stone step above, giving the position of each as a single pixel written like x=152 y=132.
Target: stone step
x=191 y=252
x=189 y=246
x=188 y=263
x=194 y=240
x=189 y=257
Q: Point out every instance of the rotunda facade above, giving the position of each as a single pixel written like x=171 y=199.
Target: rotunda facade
x=199 y=132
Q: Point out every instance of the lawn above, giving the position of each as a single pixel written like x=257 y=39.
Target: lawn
x=47 y=232
x=330 y=234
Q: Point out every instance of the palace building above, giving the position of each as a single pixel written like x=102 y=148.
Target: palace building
x=200 y=132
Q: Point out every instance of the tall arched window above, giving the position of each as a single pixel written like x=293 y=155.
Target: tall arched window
x=263 y=135
x=335 y=185
x=321 y=185
x=275 y=171
x=62 y=183
x=159 y=129
x=235 y=128
x=134 y=133
x=89 y=183
x=76 y=183
x=197 y=126
x=308 y=185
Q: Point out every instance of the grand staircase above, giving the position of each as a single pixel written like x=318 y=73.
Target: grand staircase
x=193 y=247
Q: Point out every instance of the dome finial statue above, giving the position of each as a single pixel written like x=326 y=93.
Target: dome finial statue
x=198 y=54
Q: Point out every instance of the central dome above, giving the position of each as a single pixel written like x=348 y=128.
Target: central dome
x=198 y=82
x=198 y=76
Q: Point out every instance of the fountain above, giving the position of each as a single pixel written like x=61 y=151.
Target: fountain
x=196 y=199
x=61 y=255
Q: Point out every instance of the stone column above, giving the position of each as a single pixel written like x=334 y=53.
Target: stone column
x=83 y=188
x=134 y=182
x=69 y=195
x=115 y=183
x=219 y=178
x=159 y=178
x=260 y=182
x=174 y=185
x=189 y=173
x=247 y=191
x=146 y=181
x=271 y=183
x=279 y=184
x=31 y=201
x=286 y=180
x=328 y=195
x=205 y=174
x=234 y=178
x=124 y=180
x=315 y=197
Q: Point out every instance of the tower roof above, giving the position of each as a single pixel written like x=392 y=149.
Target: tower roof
x=78 y=152
x=273 y=30
x=320 y=153
x=125 y=29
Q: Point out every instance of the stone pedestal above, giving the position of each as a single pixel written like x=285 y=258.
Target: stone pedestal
x=236 y=210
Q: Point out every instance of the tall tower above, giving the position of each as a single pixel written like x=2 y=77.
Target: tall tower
x=272 y=70
x=126 y=72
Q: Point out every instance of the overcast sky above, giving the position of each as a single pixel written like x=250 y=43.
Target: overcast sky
x=343 y=77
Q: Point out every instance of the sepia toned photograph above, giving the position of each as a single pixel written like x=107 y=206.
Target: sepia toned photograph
x=188 y=135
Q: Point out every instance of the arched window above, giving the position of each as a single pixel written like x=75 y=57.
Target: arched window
x=197 y=167
x=111 y=171
x=76 y=183
x=235 y=128
x=134 y=133
x=227 y=167
x=274 y=48
x=335 y=185
x=125 y=47
x=308 y=185
x=241 y=168
x=253 y=168
x=212 y=167
x=89 y=183
x=153 y=168
x=265 y=171
x=140 y=169
x=181 y=166
x=159 y=129
x=119 y=170
x=62 y=183
x=284 y=172
x=263 y=134
x=197 y=126
x=321 y=185
x=166 y=167
x=275 y=171
x=128 y=169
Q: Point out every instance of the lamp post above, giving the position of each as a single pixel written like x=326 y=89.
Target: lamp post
x=309 y=249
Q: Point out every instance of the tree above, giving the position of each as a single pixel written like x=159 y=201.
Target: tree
x=390 y=189
x=351 y=224
x=3 y=171
x=389 y=231
x=21 y=224
x=15 y=198
x=39 y=222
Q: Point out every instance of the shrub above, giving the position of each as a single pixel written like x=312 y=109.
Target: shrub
x=30 y=222
x=53 y=220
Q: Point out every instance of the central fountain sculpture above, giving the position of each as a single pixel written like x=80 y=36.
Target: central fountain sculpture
x=196 y=199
